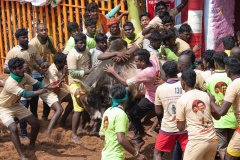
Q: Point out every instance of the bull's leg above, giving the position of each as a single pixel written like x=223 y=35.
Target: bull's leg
x=95 y=128
x=75 y=124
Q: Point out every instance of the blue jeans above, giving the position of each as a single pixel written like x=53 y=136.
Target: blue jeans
x=177 y=153
x=23 y=124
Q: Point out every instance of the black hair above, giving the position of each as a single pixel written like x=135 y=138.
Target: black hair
x=21 y=32
x=100 y=37
x=199 y=101
x=219 y=58
x=216 y=87
x=170 y=68
x=191 y=55
x=143 y=55
x=160 y=3
x=118 y=91
x=208 y=57
x=91 y=6
x=86 y=15
x=224 y=84
x=90 y=21
x=189 y=77
x=112 y=38
x=155 y=36
x=238 y=34
x=59 y=57
x=167 y=35
x=72 y=26
x=233 y=64
x=128 y=23
x=185 y=28
x=145 y=14
x=167 y=19
x=228 y=42
x=13 y=63
x=79 y=36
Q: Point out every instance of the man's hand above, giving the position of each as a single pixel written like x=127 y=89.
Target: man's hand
x=141 y=157
x=65 y=70
x=109 y=68
x=158 y=82
x=196 y=47
x=154 y=26
x=121 y=56
x=45 y=65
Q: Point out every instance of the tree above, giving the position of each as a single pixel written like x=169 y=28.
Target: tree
x=133 y=8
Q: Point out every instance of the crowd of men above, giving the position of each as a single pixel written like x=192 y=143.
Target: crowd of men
x=196 y=101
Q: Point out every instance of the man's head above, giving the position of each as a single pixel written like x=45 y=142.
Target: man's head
x=22 y=37
x=118 y=91
x=42 y=31
x=235 y=52
x=92 y=9
x=188 y=79
x=155 y=40
x=90 y=24
x=101 y=40
x=228 y=42
x=16 y=66
x=170 y=68
x=168 y=22
x=219 y=60
x=238 y=38
x=161 y=9
x=208 y=61
x=142 y=58
x=113 y=25
x=184 y=62
x=145 y=19
x=185 y=32
x=80 y=41
x=191 y=55
x=73 y=28
x=60 y=60
x=168 y=38
x=232 y=66
x=128 y=29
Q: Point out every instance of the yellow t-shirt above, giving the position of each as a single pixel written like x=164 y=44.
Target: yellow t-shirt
x=232 y=95
x=194 y=108
x=31 y=55
x=12 y=89
x=79 y=61
x=43 y=49
x=167 y=95
x=156 y=20
x=228 y=52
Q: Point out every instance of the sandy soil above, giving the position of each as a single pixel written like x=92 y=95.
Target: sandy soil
x=62 y=148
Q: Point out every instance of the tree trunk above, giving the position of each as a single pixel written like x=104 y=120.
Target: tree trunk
x=133 y=8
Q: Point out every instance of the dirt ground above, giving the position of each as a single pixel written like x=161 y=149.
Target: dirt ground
x=62 y=148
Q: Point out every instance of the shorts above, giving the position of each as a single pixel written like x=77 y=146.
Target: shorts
x=166 y=140
x=74 y=86
x=224 y=137
x=200 y=150
x=51 y=97
x=234 y=145
x=7 y=114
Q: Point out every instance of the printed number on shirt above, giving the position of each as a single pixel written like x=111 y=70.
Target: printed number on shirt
x=178 y=90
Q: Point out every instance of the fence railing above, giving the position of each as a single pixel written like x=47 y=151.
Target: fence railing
x=15 y=15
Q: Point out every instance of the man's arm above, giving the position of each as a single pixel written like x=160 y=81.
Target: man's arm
x=182 y=5
x=181 y=125
x=6 y=69
x=159 y=109
x=220 y=110
x=110 y=69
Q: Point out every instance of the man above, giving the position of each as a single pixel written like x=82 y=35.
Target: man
x=44 y=44
x=194 y=111
x=168 y=24
x=226 y=126
x=186 y=61
x=231 y=98
x=90 y=24
x=145 y=19
x=101 y=40
x=166 y=97
x=35 y=65
x=10 y=106
x=161 y=10
x=115 y=127
x=114 y=29
x=228 y=44
x=79 y=62
x=155 y=43
x=73 y=29
x=235 y=51
x=149 y=66
x=208 y=63
x=131 y=37
x=55 y=74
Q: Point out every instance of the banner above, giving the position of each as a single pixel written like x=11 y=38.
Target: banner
x=152 y=3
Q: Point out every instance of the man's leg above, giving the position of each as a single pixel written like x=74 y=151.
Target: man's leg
x=15 y=139
x=75 y=124
x=157 y=154
x=33 y=121
x=233 y=149
x=23 y=123
x=58 y=111
x=68 y=109
x=177 y=153
x=46 y=111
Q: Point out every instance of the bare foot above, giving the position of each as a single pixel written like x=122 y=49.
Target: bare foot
x=23 y=158
x=80 y=130
x=152 y=133
x=76 y=140
x=25 y=140
x=139 y=146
